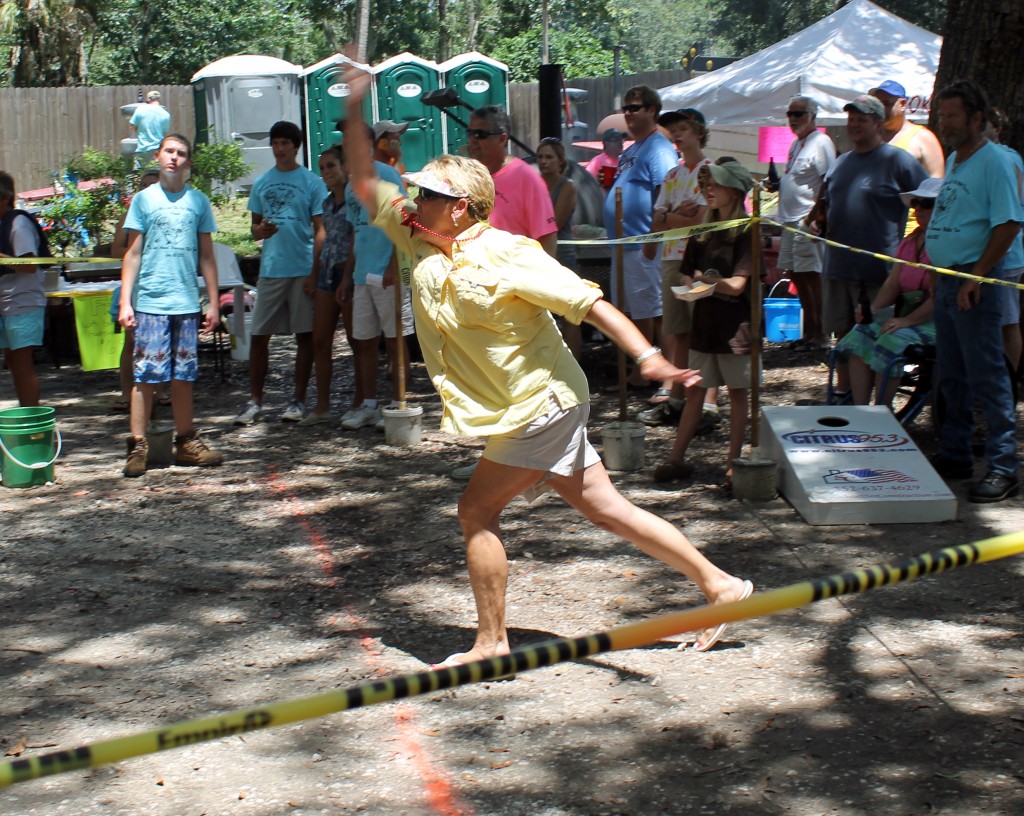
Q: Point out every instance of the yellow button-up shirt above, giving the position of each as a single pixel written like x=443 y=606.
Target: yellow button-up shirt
x=483 y=319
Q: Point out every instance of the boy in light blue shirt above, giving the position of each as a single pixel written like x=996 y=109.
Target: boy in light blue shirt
x=170 y=226
x=287 y=206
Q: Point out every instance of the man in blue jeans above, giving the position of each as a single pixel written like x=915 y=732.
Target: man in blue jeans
x=977 y=215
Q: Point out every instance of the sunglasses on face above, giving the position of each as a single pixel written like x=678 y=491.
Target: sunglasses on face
x=477 y=133
x=634 y=108
x=922 y=203
x=796 y=114
x=430 y=195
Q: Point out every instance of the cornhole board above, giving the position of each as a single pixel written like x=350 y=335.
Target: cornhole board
x=853 y=465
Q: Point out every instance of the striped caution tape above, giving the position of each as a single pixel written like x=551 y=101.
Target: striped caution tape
x=27 y=261
x=658 y=237
x=630 y=636
x=889 y=259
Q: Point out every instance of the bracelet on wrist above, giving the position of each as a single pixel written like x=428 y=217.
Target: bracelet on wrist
x=653 y=351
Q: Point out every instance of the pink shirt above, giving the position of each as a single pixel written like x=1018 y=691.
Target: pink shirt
x=522 y=204
x=600 y=160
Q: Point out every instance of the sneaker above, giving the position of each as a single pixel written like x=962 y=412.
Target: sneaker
x=661 y=414
x=952 y=469
x=709 y=420
x=364 y=415
x=250 y=414
x=295 y=412
x=351 y=412
x=138 y=451
x=464 y=473
x=379 y=425
x=191 y=450
x=313 y=418
x=995 y=487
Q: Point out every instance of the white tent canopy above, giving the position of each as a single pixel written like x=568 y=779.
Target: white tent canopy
x=833 y=61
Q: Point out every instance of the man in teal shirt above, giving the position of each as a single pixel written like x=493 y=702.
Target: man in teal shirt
x=149 y=123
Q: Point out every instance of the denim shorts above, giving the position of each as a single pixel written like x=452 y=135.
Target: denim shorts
x=22 y=330
x=166 y=348
x=328 y=280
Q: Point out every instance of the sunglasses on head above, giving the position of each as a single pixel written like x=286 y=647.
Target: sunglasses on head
x=634 y=107
x=796 y=114
x=477 y=133
x=922 y=203
x=431 y=195
x=549 y=140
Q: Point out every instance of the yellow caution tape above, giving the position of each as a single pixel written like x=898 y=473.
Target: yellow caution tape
x=889 y=259
x=668 y=235
x=56 y=261
x=630 y=636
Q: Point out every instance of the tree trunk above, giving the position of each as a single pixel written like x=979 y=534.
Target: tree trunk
x=986 y=44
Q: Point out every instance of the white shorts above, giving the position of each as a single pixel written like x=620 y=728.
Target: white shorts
x=798 y=253
x=373 y=312
x=282 y=307
x=642 y=285
x=555 y=443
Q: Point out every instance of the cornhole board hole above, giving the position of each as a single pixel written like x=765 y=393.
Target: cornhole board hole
x=853 y=465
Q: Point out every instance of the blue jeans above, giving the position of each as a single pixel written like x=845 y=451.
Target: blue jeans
x=971 y=364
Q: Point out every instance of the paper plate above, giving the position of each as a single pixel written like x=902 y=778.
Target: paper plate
x=695 y=292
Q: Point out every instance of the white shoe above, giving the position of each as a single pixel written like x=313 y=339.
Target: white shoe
x=295 y=412
x=351 y=412
x=363 y=416
x=313 y=418
x=465 y=473
x=250 y=414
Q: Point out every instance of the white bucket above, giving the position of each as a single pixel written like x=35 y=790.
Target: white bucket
x=624 y=446
x=403 y=427
x=240 y=345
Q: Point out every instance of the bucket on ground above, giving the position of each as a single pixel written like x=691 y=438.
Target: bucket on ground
x=783 y=317
x=403 y=427
x=623 y=444
x=28 y=446
x=239 y=343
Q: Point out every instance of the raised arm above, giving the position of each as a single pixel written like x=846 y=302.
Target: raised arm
x=362 y=175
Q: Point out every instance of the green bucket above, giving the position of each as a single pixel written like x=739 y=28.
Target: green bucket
x=26 y=440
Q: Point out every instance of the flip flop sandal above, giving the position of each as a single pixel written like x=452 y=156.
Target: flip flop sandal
x=748 y=590
x=660 y=396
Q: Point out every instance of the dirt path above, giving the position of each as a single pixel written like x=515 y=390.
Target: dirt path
x=317 y=559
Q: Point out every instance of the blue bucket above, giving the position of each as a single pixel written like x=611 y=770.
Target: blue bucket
x=783 y=317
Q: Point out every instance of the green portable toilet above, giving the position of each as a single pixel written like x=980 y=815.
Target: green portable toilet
x=326 y=93
x=478 y=80
x=399 y=84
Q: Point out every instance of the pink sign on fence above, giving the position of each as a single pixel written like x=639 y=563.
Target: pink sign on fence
x=773 y=143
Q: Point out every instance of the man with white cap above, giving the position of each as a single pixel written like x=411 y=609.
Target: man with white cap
x=387 y=143
x=149 y=124
x=861 y=197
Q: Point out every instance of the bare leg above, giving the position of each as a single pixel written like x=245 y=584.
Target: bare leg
x=23 y=372
x=141 y=408
x=259 y=363
x=365 y=356
x=592 y=493
x=181 y=407
x=738 y=410
x=303 y=364
x=325 y=321
x=808 y=288
x=125 y=369
x=490 y=489
x=688 y=423
x=862 y=380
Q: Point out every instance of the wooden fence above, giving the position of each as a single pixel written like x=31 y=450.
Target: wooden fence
x=40 y=128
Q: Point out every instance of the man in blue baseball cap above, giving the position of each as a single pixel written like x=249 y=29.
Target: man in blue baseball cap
x=916 y=140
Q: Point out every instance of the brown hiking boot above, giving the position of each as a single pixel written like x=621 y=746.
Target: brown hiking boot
x=138 y=450
x=191 y=450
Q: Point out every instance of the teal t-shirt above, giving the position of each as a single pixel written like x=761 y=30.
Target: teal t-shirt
x=170 y=224
x=151 y=122
x=290 y=200
x=976 y=196
x=372 y=246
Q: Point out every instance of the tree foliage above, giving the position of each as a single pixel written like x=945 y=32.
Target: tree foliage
x=45 y=39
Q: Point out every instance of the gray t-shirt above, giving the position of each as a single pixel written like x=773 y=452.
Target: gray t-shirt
x=865 y=210
x=22 y=292
x=810 y=158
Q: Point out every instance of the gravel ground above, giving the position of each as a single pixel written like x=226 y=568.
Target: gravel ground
x=317 y=559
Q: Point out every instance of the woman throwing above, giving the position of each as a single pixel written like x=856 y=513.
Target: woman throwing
x=482 y=299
